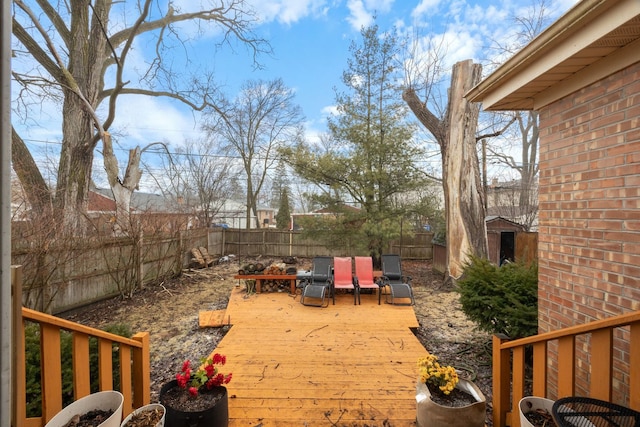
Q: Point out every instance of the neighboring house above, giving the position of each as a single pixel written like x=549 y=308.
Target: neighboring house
x=267 y=217
x=234 y=215
x=582 y=75
x=296 y=218
x=158 y=212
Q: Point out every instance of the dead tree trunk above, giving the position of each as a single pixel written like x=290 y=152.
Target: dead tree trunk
x=463 y=191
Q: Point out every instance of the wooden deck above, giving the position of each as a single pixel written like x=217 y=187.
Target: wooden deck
x=342 y=365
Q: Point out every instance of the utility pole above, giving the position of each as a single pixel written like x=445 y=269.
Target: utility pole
x=484 y=173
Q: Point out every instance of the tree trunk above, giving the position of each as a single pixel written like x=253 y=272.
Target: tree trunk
x=462 y=186
x=34 y=185
x=76 y=161
x=465 y=213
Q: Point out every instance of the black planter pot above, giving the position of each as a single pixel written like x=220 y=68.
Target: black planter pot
x=217 y=416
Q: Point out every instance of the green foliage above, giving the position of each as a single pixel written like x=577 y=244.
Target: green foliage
x=33 y=362
x=501 y=299
x=283 y=217
x=369 y=158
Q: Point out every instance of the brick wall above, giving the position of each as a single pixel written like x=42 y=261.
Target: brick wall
x=589 y=233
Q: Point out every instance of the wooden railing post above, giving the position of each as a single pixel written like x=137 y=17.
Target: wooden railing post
x=501 y=381
x=50 y=370
x=634 y=366
x=18 y=377
x=518 y=383
x=566 y=366
x=540 y=369
x=602 y=358
x=141 y=371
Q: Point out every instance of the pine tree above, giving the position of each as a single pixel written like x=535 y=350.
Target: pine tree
x=372 y=160
x=283 y=217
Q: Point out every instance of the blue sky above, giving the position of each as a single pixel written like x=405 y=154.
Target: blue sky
x=310 y=41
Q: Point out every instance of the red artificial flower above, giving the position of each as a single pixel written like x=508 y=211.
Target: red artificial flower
x=206 y=375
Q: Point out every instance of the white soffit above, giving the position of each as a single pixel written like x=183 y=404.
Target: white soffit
x=593 y=40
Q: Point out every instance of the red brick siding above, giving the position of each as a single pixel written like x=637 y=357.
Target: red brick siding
x=589 y=223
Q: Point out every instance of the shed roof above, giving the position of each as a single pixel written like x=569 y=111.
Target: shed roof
x=593 y=40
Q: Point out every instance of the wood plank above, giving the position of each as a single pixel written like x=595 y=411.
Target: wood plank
x=339 y=365
x=213 y=318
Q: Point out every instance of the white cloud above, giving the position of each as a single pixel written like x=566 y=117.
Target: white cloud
x=330 y=110
x=380 y=6
x=144 y=119
x=288 y=11
x=359 y=16
x=424 y=8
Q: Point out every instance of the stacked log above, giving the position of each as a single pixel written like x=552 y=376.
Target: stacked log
x=275 y=285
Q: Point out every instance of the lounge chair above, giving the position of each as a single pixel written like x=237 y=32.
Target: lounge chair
x=364 y=276
x=316 y=287
x=399 y=291
x=343 y=277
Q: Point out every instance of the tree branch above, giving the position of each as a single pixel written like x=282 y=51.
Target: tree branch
x=498 y=132
x=425 y=116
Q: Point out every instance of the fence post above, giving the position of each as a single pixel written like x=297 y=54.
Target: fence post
x=140 y=266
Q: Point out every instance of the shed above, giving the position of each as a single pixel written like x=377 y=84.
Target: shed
x=501 y=239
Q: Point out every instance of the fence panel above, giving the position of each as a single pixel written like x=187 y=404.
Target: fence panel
x=60 y=279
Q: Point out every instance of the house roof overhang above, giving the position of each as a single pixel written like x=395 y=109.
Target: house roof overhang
x=593 y=40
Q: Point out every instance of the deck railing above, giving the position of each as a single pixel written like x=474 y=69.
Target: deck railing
x=133 y=353
x=509 y=365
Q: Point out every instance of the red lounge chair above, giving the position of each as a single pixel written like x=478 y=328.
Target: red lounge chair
x=343 y=277
x=364 y=275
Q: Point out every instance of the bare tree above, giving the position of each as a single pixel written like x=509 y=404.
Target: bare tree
x=77 y=55
x=200 y=178
x=527 y=26
x=455 y=132
x=262 y=118
x=527 y=166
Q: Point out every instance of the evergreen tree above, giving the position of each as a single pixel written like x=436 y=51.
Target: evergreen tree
x=372 y=158
x=501 y=300
x=283 y=217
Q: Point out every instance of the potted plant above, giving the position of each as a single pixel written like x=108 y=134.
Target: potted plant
x=197 y=398
x=444 y=399
x=103 y=409
x=535 y=411
x=151 y=415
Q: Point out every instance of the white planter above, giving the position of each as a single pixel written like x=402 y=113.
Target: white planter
x=530 y=404
x=148 y=407
x=104 y=400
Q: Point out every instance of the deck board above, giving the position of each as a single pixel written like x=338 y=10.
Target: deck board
x=342 y=365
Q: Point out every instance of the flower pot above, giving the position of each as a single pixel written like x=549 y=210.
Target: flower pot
x=141 y=410
x=530 y=404
x=104 y=400
x=432 y=414
x=215 y=416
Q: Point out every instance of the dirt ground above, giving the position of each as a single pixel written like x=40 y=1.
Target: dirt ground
x=169 y=311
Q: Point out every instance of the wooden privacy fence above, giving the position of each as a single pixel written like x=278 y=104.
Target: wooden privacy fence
x=75 y=273
x=279 y=243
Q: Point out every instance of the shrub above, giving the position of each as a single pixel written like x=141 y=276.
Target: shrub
x=501 y=299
